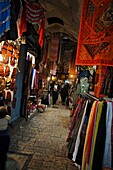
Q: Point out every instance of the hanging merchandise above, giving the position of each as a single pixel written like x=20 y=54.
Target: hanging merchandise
x=41 y=33
x=21 y=21
x=90 y=141
x=12 y=85
x=4 y=17
x=107 y=83
x=95 y=45
x=85 y=82
x=72 y=68
x=53 y=53
x=10 y=49
x=12 y=61
x=14 y=73
x=34 y=13
x=8 y=83
x=8 y=69
x=1 y=70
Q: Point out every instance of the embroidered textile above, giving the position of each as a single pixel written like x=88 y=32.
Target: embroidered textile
x=95 y=45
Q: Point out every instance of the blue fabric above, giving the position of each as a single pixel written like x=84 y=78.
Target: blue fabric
x=4 y=0
x=107 y=159
x=4 y=5
x=4 y=17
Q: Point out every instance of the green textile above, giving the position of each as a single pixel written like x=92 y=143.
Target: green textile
x=95 y=132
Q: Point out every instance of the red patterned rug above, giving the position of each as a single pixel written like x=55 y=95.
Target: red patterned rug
x=95 y=43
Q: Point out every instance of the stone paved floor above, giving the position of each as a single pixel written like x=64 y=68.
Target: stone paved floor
x=40 y=143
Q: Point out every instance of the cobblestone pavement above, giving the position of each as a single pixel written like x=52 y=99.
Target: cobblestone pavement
x=40 y=143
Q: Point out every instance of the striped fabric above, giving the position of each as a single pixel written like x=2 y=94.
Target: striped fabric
x=54 y=49
x=34 y=13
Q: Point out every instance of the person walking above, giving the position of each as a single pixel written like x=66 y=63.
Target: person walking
x=64 y=94
x=55 y=95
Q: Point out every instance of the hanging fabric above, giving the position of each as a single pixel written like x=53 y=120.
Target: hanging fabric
x=21 y=22
x=41 y=33
x=78 y=136
x=95 y=45
x=34 y=13
x=75 y=117
x=90 y=140
x=4 y=17
x=54 y=49
x=71 y=141
x=107 y=157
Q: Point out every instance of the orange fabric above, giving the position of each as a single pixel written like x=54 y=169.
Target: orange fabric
x=41 y=33
x=91 y=133
x=22 y=25
x=99 y=78
x=95 y=42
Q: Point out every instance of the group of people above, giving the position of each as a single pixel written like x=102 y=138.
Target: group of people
x=62 y=90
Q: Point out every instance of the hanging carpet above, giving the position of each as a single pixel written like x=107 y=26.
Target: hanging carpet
x=95 y=43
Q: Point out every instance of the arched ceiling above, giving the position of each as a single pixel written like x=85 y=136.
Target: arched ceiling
x=68 y=11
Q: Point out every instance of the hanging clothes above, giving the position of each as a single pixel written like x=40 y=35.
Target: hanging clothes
x=4 y=17
x=90 y=145
x=97 y=119
x=78 y=136
x=100 y=140
x=87 y=143
x=83 y=134
x=107 y=158
x=72 y=140
x=77 y=112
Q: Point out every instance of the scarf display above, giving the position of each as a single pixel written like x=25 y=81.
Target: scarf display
x=95 y=45
x=90 y=145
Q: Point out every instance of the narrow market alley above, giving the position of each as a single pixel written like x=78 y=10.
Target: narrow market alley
x=40 y=143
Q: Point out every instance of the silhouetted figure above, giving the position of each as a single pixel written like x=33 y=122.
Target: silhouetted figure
x=54 y=96
x=64 y=93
